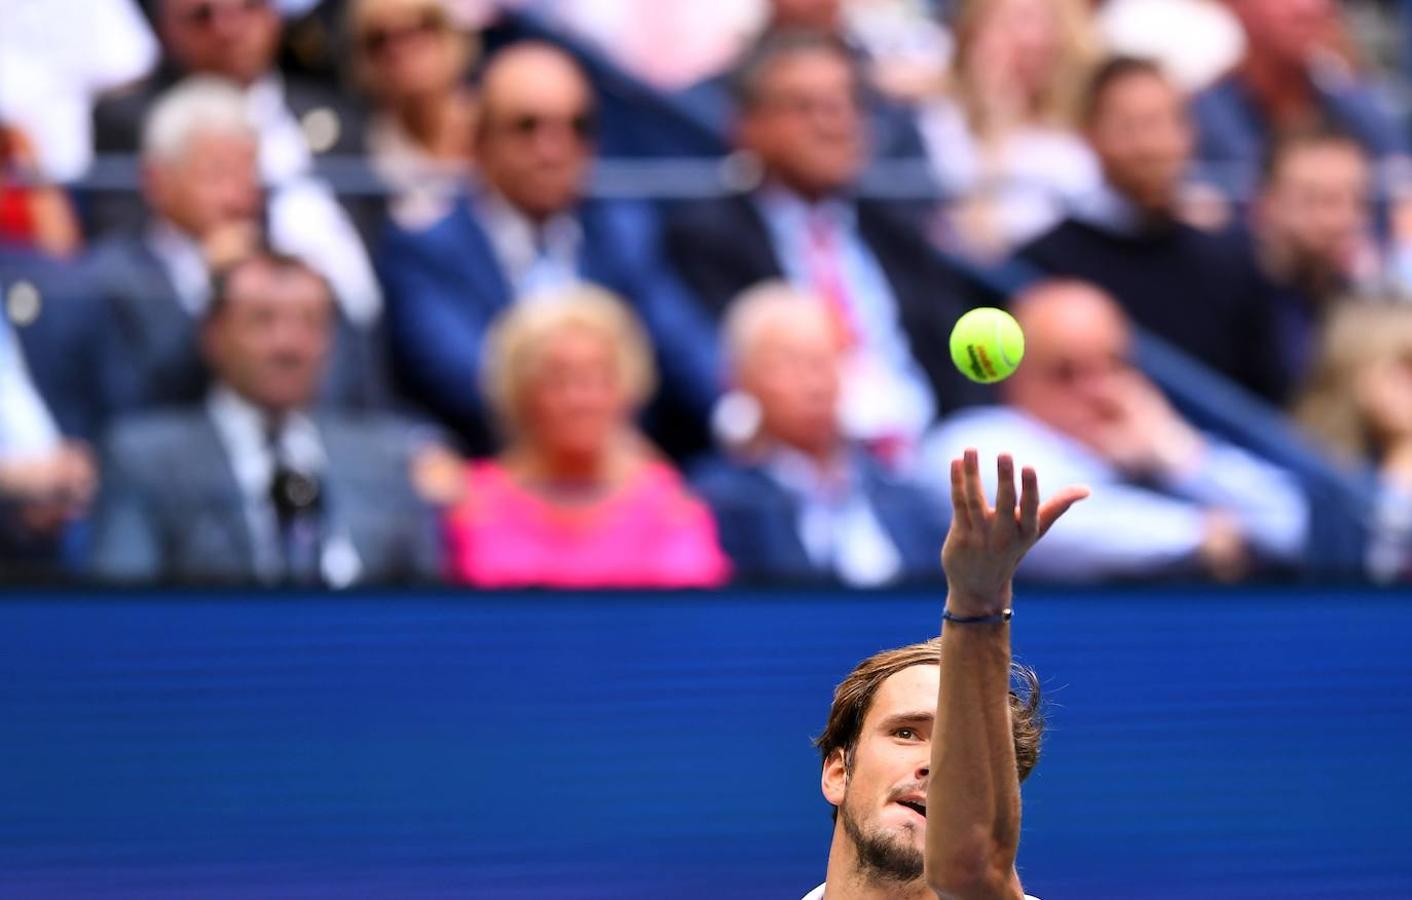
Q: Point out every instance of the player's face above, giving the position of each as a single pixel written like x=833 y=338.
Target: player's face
x=882 y=792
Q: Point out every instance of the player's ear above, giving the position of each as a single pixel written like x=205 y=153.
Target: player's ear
x=834 y=781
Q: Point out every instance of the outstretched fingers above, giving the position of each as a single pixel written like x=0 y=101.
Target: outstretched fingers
x=976 y=507
x=959 y=511
x=1029 y=503
x=1005 y=492
x=1059 y=504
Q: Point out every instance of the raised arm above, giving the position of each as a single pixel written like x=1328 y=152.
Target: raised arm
x=974 y=790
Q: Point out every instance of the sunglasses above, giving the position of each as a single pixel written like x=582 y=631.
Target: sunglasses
x=378 y=38
x=583 y=125
x=203 y=15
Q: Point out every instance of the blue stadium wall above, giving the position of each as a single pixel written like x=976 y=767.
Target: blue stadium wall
x=1231 y=744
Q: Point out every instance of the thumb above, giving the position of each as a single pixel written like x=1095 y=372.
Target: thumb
x=1059 y=504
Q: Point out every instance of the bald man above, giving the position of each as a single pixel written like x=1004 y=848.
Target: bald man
x=1168 y=500
x=524 y=230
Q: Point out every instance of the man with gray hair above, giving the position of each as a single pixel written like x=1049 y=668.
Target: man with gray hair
x=206 y=209
x=795 y=499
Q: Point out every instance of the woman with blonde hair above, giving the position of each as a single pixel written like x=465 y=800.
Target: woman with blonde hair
x=1002 y=140
x=1358 y=404
x=578 y=498
x=412 y=58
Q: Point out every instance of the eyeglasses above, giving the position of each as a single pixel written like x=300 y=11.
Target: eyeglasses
x=378 y=38
x=202 y=15
x=584 y=126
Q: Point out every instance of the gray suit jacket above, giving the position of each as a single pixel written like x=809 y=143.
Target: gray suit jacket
x=157 y=337
x=170 y=508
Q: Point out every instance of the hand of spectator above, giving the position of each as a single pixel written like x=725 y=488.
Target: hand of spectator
x=229 y=243
x=51 y=490
x=984 y=546
x=1223 y=552
x=1144 y=436
x=439 y=476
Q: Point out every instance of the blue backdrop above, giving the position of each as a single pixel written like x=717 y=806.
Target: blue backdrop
x=1229 y=744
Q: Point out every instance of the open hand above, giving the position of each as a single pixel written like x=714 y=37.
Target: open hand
x=984 y=545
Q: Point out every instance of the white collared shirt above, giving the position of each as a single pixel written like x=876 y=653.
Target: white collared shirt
x=536 y=259
x=181 y=258
x=840 y=530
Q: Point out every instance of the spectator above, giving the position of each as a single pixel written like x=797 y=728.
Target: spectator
x=34 y=215
x=1201 y=292
x=46 y=481
x=207 y=209
x=893 y=298
x=412 y=59
x=1295 y=75
x=235 y=40
x=253 y=486
x=1358 y=403
x=798 y=499
x=577 y=499
x=1003 y=143
x=716 y=101
x=528 y=229
x=1080 y=413
x=1313 y=230
x=56 y=58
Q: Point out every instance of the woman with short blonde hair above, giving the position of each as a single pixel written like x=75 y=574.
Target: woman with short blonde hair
x=578 y=498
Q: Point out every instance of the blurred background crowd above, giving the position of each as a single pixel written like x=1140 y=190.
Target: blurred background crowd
x=656 y=293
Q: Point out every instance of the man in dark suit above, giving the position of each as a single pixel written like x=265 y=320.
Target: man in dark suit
x=795 y=498
x=526 y=230
x=252 y=486
x=236 y=40
x=893 y=296
x=1200 y=291
x=205 y=206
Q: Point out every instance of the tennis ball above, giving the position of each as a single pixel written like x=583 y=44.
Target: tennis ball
x=987 y=344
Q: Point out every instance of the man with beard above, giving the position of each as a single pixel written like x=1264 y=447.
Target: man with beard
x=907 y=734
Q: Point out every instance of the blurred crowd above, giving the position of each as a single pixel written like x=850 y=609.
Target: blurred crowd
x=577 y=293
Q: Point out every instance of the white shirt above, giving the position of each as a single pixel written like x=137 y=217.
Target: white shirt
x=837 y=525
x=1124 y=529
x=241 y=429
x=885 y=392
x=26 y=428
x=181 y=258
x=536 y=259
x=818 y=894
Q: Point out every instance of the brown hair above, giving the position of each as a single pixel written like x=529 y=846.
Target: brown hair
x=854 y=697
x=1112 y=71
x=1360 y=336
x=1317 y=136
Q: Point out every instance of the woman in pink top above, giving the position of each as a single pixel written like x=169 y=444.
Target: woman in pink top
x=578 y=498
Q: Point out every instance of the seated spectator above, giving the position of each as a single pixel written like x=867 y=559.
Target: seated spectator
x=892 y=297
x=1358 y=403
x=56 y=58
x=238 y=41
x=578 y=498
x=254 y=486
x=1003 y=143
x=206 y=209
x=1201 y=292
x=796 y=499
x=1312 y=223
x=1296 y=75
x=527 y=229
x=46 y=481
x=716 y=100
x=34 y=215
x=1168 y=501
x=412 y=59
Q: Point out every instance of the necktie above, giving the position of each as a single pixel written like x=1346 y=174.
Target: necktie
x=826 y=276
x=297 y=500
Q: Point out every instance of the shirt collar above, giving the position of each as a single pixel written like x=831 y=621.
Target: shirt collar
x=801 y=474
x=780 y=204
x=180 y=256
x=517 y=240
x=241 y=426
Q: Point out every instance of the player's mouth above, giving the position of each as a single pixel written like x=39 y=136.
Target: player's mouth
x=917 y=806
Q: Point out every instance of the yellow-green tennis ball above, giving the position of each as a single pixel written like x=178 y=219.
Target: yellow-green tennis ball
x=987 y=344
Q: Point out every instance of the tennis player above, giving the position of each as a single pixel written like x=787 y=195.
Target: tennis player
x=926 y=745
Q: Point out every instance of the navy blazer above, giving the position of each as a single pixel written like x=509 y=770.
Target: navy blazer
x=758 y=520
x=445 y=287
x=722 y=247
x=158 y=340
x=170 y=508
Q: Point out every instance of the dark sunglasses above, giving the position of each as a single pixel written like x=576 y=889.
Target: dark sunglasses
x=378 y=38
x=584 y=125
x=203 y=14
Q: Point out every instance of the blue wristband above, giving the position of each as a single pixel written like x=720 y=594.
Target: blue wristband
x=1004 y=615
